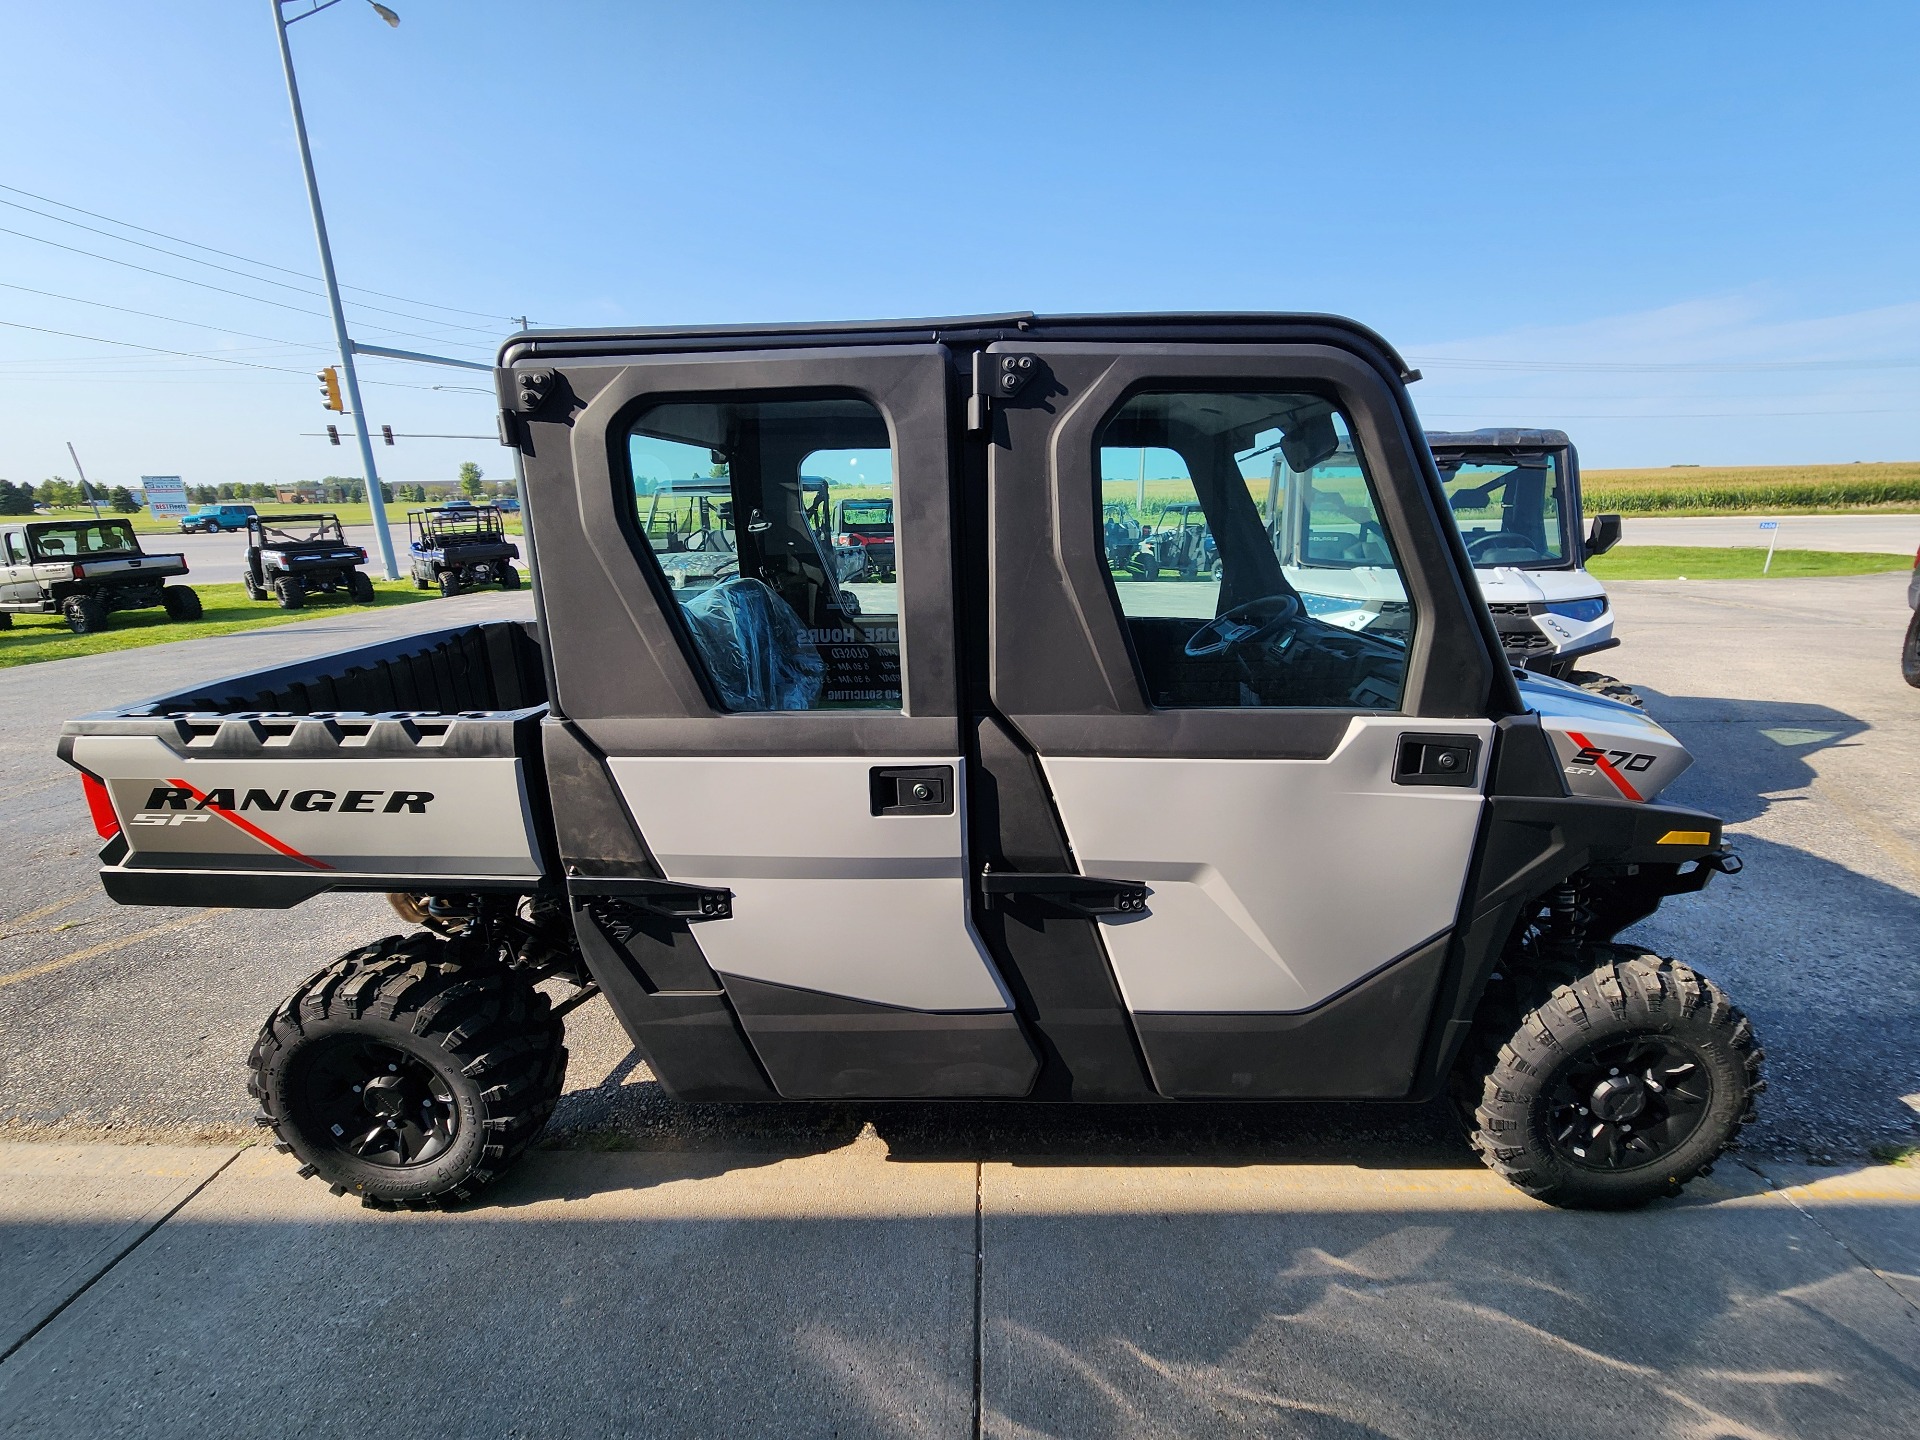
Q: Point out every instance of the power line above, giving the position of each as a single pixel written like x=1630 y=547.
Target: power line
x=1696 y=367
x=188 y=354
x=223 y=290
x=263 y=264
x=170 y=319
x=229 y=270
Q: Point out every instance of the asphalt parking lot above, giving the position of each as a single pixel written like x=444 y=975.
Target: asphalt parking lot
x=898 y=1269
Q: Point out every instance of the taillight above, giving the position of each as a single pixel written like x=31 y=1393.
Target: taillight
x=100 y=805
x=362 y=556
x=79 y=572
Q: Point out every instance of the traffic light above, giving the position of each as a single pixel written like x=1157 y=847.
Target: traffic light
x=333 y=434
x=330 y=389
x=386 y=433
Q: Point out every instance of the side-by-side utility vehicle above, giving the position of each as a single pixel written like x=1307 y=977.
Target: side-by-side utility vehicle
x=290 y=557
x=458 y=545
x=86 y=570
x=1515 y=494
x=900 y=850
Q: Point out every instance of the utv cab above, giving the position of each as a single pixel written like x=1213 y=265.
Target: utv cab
x=458 y=545
x=1515 y=494
x=86 y=570
x=290 y=557
x=1014 y=829
x=864 y=529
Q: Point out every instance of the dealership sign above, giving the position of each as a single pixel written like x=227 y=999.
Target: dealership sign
x=166 y=496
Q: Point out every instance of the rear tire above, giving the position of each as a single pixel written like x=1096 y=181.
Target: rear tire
x=252 y=587
x=6 y=621
x=360 y=587
x=509 y=578
x=1910 y=652
x=86 y=614
x=1594 y=683
x=1568 y=1063
x=449 y=582
x=289 y=592
x=181 y=602
x=451 y=1064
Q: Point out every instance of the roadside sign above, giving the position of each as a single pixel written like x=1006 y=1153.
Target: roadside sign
x=1769 y=524
x=1772 y=527
x=166 y=496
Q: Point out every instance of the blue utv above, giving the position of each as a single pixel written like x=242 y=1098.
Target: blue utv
x=454 y=546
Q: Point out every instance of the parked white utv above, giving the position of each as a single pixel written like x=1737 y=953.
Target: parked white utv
x=1515 y=495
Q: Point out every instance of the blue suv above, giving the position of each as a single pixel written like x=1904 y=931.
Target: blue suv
x=212 y=519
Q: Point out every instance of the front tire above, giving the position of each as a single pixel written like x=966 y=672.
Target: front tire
x=1910 y=652
x=1607 y=1087
x=181 y=602
x=408 y=1073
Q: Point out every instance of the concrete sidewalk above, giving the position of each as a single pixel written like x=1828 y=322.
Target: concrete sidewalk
x=149 y=1291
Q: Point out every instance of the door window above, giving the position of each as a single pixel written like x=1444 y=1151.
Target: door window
x=763 y=516
x=16 y=551
x=1247 y=554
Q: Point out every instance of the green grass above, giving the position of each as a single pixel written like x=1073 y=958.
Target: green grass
x=1758 y=489
x=1699 y=562
x=33 y=638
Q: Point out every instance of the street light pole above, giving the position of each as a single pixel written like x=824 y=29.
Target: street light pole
x=374 y=498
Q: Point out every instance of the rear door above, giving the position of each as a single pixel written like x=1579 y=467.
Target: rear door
x=772 y=734
x=1295 y=778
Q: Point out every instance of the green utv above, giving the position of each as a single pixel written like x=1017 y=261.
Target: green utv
x=1012 y=827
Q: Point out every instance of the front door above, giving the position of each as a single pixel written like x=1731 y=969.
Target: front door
x=774 y=731
x=17 y=582
x=1286 y=750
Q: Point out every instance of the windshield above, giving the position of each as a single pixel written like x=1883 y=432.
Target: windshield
x=1508 y=506
x=83 y=538
x=880 y=512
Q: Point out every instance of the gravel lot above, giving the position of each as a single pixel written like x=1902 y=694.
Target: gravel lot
x=1788 y=692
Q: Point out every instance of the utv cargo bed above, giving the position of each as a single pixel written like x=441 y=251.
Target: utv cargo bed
x=400 y=766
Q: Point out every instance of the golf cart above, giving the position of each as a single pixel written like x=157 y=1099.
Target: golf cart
x=454 y=546
x=1018 y=834
x=290 y=557
x=85 y=570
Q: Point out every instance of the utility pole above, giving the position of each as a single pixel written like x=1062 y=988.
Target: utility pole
x=374 y=498
x=86 y=490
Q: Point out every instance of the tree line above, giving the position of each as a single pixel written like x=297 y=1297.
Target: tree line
x=57 y=493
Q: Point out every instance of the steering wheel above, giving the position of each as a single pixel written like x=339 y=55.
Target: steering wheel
x=1243 y=625
x=1499 y=537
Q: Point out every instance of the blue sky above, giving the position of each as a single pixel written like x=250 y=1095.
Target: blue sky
x=1686 y=234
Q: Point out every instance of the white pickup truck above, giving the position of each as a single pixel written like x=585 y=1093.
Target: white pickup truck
x=85 y=570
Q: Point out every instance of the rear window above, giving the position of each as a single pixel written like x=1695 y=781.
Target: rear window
x=83 y=538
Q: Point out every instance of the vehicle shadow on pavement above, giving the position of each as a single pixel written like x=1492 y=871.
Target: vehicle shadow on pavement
x=1749 y=754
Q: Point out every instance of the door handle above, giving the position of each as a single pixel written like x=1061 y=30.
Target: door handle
x=911 y=789
x=1437 y=760
x=1088 y=894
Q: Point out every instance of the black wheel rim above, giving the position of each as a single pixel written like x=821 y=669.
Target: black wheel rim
x=379 y=1103
x=1626 y=1103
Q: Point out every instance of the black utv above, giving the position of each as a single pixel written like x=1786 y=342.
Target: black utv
x=454 y=546
x=290 y=557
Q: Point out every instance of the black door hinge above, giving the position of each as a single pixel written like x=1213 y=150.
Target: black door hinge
x=1085 y=894
x=665 y=898
x=997 y=378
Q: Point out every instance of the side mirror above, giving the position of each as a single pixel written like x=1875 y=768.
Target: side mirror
x=1603 y=535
